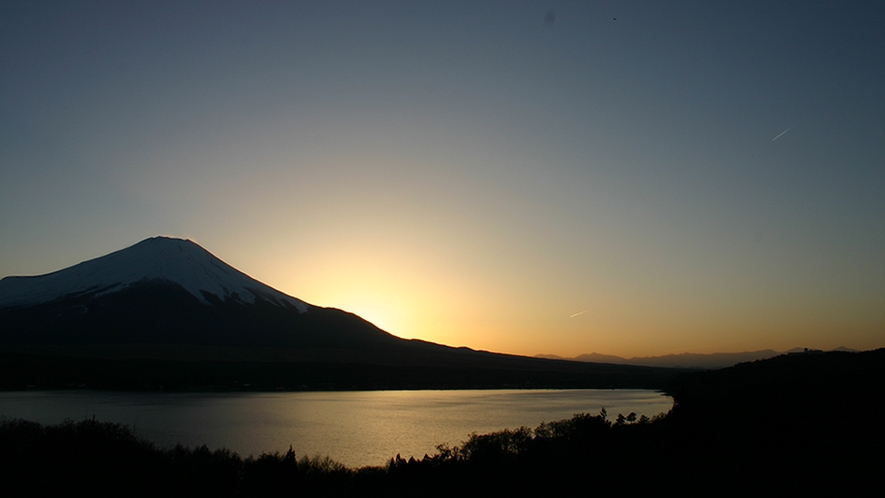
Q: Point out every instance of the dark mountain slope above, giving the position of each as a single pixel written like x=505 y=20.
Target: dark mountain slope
x=162 y=312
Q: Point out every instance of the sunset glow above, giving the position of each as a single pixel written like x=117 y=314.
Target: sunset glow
x=691 y=178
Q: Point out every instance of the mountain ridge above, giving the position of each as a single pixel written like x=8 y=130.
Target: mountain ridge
x=686 y=360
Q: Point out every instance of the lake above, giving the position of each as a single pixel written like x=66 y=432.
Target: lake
x=355 y=428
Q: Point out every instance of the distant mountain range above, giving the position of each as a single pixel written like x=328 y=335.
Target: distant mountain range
x=686 y=360
x=169 y=300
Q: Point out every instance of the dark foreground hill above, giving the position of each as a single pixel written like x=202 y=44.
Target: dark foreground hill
x=809 y=424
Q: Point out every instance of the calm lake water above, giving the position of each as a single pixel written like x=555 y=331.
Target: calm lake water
x=354 y=428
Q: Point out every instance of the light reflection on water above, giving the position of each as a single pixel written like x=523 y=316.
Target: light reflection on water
x=355 y=428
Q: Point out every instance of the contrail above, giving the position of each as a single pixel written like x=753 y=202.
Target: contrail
x=580 y=313
x=782 y=134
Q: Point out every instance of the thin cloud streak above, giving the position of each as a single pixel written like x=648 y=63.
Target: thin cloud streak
x=580 y=313
x=781 y=134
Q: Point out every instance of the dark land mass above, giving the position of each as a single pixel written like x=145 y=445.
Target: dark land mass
x=794 y=424
x=455 y=370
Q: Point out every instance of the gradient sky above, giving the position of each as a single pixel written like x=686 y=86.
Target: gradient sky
x=630 y=178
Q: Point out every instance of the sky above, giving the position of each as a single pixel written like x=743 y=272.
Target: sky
x=629 y=178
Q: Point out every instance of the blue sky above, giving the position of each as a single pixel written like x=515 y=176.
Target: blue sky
x=469 y=172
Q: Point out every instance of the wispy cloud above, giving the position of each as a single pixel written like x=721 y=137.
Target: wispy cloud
x=580 y=313
x=781 y=134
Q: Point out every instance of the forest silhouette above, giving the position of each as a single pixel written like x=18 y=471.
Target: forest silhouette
x=795 y=423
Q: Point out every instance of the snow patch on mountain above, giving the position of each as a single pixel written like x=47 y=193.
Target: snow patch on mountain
x=178 y=261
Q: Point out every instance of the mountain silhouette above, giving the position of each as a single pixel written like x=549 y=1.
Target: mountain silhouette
x=102 y=323
x=168 y=291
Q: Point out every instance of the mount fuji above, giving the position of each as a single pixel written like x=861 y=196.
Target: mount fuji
x=167 y=314
x=169 y=291
x=176 y=261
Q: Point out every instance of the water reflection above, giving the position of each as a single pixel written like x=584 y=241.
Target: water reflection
x=355 y=428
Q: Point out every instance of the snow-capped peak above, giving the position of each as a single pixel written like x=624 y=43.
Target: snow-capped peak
x=178 y=261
